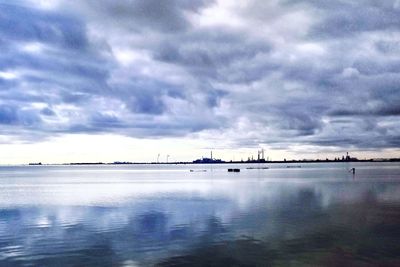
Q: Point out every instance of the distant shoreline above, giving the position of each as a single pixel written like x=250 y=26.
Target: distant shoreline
x=207 y=163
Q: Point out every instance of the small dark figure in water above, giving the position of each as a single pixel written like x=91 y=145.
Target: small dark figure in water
x=353 y=170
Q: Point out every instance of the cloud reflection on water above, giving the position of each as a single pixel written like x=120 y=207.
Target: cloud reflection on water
x=183 y=221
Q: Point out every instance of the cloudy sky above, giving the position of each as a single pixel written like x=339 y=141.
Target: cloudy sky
x=102 y=80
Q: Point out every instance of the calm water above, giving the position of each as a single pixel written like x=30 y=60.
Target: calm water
x=143 y=215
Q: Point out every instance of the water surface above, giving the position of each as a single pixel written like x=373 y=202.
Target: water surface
x=165 y=215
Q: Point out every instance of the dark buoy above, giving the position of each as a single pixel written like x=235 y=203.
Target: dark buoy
x=353 y=170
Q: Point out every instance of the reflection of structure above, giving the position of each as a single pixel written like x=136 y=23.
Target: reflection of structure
x=208 y=160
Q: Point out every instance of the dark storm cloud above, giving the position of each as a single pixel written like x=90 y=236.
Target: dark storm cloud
x=284 y=72
x=145 y=95
x=13 y=115
x=47 y=112
x=388 y=47
x=344 y=18
x=8 y=115
x=151 y=15
x=20 y=23
x=213 y=52
x=55 y=63
x=382 y=110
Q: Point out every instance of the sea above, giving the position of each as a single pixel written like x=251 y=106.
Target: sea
x=292 y=214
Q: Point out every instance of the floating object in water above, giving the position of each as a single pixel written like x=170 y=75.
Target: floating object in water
x=296 y=166
x=257 y=168
x=198 y=170
x=35 y=164
x=353 y=170
x=233 y=170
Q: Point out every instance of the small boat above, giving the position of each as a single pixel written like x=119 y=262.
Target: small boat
x=233 y=170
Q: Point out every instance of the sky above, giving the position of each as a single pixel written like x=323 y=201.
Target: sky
x=100 y=80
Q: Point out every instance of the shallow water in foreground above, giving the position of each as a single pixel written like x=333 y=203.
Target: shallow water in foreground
x=165 y=215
